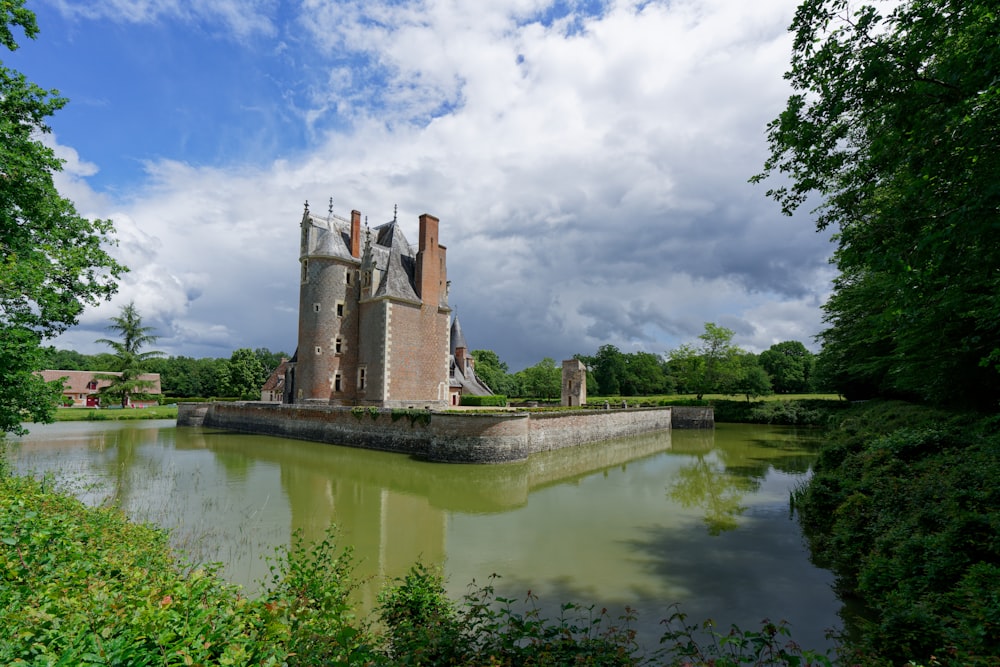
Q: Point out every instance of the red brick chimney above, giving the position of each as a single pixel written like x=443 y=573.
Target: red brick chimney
x=355 y=233
x=429 y=267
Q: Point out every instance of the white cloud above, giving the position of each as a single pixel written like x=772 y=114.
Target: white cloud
x=590 y=176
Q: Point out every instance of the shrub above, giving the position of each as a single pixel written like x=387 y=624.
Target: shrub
x=496 y=400
x=905 y=508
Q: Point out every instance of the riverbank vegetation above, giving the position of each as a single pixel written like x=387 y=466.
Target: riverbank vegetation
x=891 y=130
x=904 y=506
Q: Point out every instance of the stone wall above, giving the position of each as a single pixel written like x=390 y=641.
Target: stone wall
x=693 y=417
x=495 y=437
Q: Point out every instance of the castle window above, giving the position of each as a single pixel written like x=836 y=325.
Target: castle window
x=348 y=276
x=315 y=307
x=340 y=309
x=319 y=350
x=338 y=345
x=305 y=270
x=337 y=385
x=361 y=378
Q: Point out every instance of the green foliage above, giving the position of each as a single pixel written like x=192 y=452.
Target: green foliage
x=905 y=508
x=494 y=373
x=717 y=366
x=490 y=401
x=785 y=412
x=543 y=380
x=24 y=396
x=683 y=644
x=130 y=361
x=893 y=121
x=790 y=366
x=244 y=375
x=53 y=260
x=415 y=416
x=308 y=604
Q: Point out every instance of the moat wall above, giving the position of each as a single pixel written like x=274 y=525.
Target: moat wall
x=457 y=437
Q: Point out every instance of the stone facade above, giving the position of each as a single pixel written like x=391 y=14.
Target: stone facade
x=456 y=437
x=574 y=383
x=374 y=318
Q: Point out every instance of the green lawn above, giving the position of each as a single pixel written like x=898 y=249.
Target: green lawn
x=115 y=414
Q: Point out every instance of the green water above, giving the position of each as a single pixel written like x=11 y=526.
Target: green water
x=699 y=518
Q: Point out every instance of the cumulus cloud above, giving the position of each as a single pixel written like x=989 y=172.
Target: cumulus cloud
x=589 y=164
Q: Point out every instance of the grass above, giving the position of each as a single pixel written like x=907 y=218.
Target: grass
x=115 y=414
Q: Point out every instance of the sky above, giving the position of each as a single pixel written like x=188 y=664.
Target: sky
x=588 y=161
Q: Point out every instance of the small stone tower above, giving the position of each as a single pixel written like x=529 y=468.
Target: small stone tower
x=574 y=383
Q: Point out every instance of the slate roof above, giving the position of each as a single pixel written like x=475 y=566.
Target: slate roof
x=457 y=339
x=392 y=253
x=470 y=384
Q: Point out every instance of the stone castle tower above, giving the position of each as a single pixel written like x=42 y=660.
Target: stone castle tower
x=373 y=315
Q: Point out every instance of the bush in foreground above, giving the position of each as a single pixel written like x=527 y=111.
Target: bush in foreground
x=905 y=508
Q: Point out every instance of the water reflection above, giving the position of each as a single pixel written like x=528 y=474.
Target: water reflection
x=618 y=523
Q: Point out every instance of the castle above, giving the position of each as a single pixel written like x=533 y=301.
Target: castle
x=375 y=327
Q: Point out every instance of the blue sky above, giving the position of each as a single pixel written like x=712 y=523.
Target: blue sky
x=588 y=161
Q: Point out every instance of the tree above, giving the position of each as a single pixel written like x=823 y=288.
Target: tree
x=130 y=359
x=719 y=355
x=687 y=368
x=494 y=373
x=53 y=262
x=895 y=123
x=644 y=375
x=790 y=366
x=748 y=377
x=245 y=375
x=609 y=370
x=543 y=380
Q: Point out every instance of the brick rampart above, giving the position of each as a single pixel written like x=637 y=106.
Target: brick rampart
x=496 y=437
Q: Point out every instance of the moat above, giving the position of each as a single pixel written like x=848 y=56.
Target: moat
x=696 y=517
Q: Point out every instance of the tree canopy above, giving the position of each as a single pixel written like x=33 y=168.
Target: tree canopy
x=54 y=260
x=894 y=124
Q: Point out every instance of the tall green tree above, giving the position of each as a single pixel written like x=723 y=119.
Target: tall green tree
x=543 y=380
x=131 y=360
x=894 y=124
x=54 y=261
x=609 y=370
x=245 y=375
x=747 y=377
x=790 y=366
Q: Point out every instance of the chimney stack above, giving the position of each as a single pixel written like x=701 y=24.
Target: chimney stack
x=355 y=233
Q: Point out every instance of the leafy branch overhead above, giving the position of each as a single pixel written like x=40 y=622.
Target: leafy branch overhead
x=54 y=261
x=894 y=125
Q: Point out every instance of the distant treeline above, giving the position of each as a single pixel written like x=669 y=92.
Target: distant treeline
x=715 y=366
x=240 y=376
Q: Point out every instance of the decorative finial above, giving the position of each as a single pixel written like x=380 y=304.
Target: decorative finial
x=307 y=206
x=395 y=212
x=329 y=211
